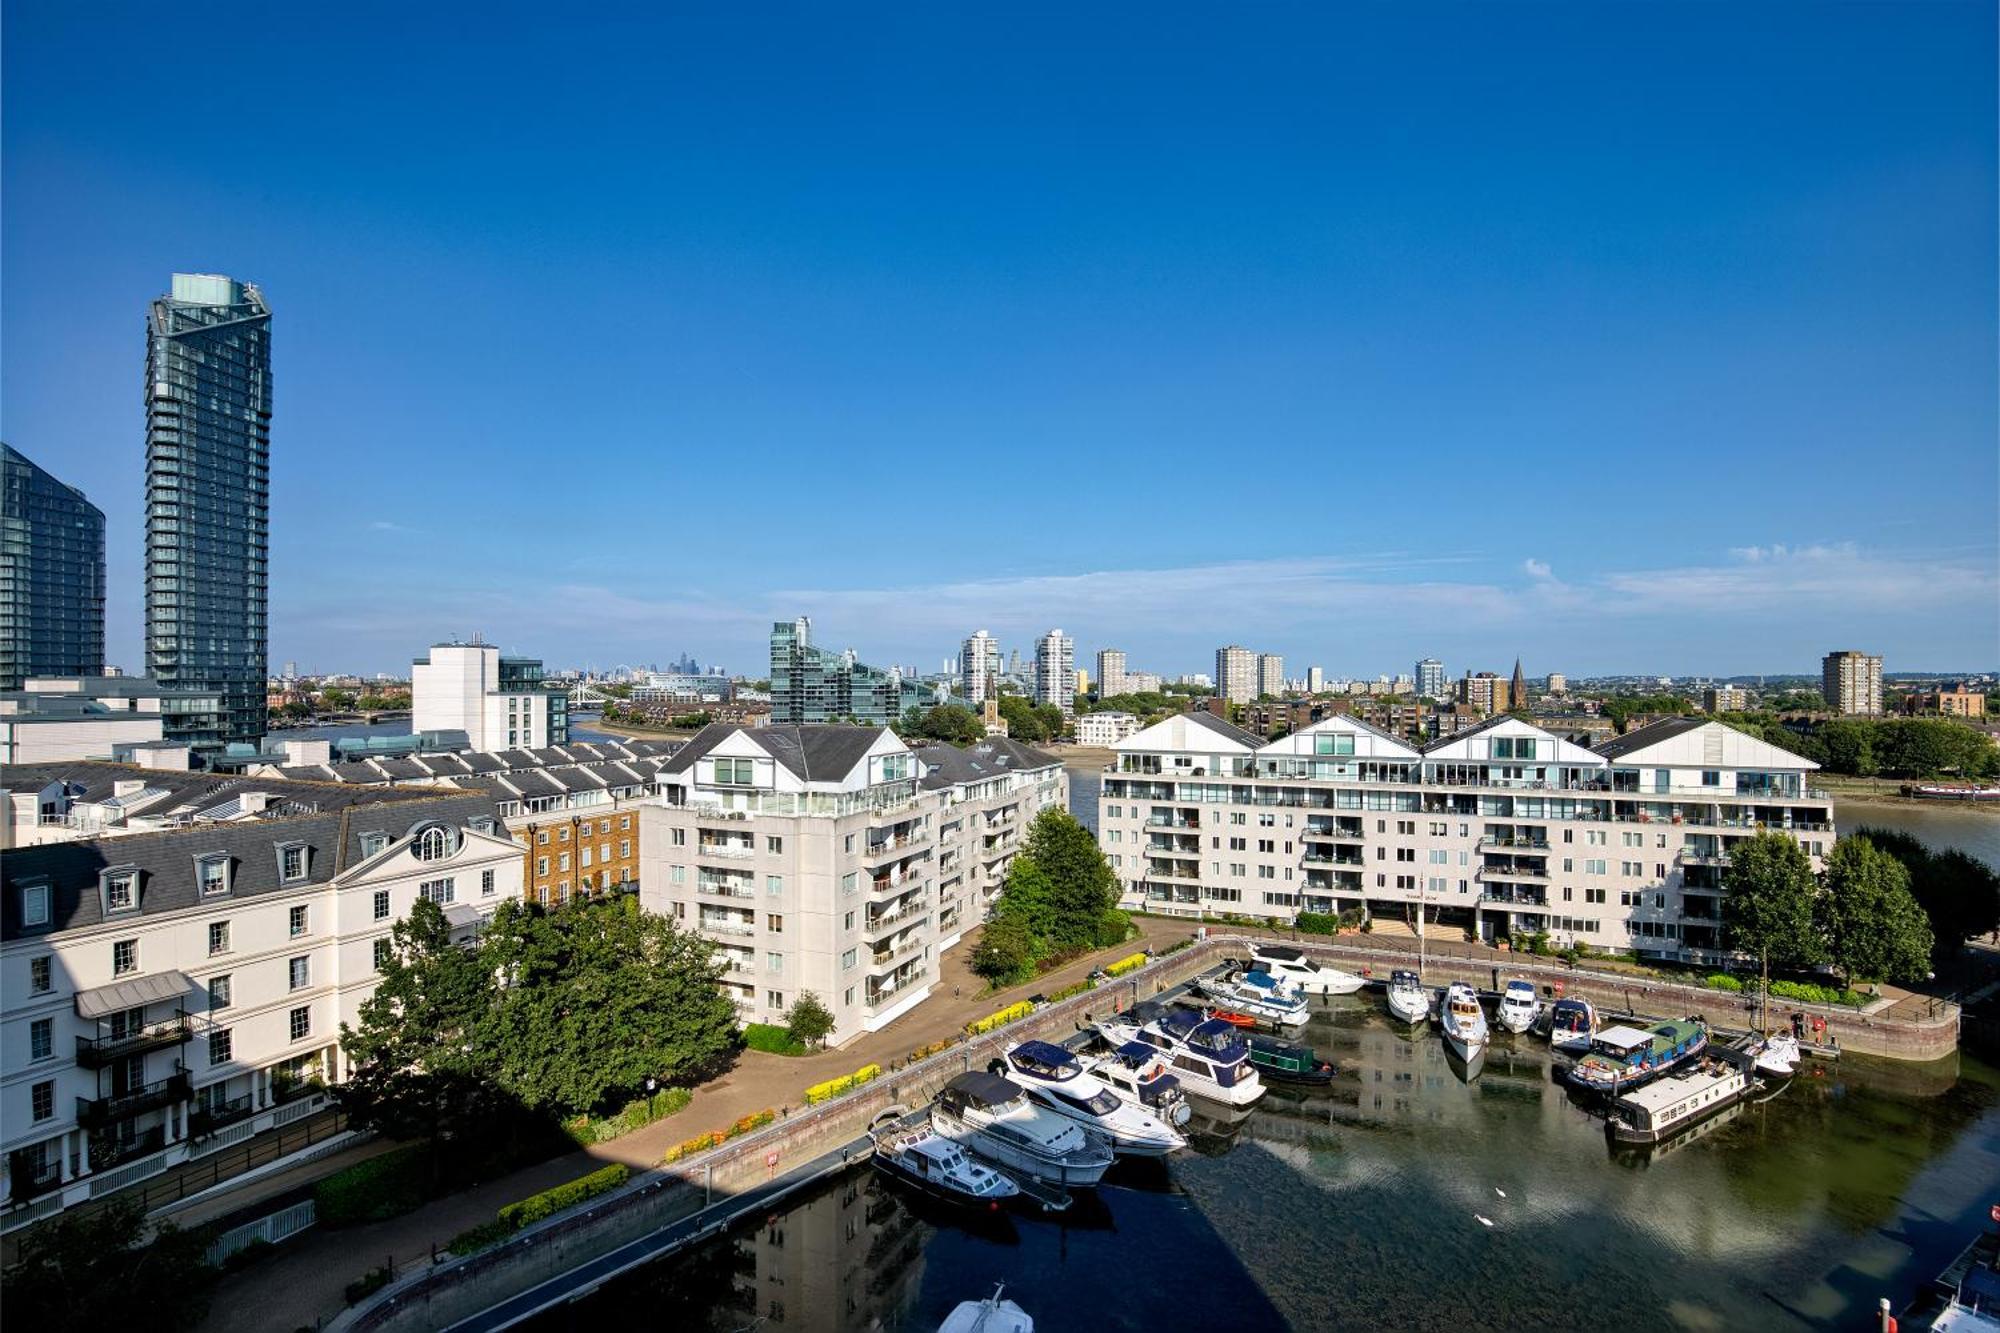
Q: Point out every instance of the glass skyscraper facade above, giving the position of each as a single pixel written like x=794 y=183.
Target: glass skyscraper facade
x=809 y=684
x=51 y=576
x=208 y=444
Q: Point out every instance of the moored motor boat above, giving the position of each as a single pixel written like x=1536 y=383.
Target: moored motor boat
x=1464 y=1021
x=1624 y=1057
x=1056 y=1079
x=1261 y=996
x=1519 y=1006
x=992 y=1315
x=993 y=1116
x=918 y=1155
x=1572 y=1023
x=1408 y=1001
x=1777 y=1055
x=1137 y=1073
x=1288 y=1062
x=1308 y=974
x=1670 y=1106
x=1209 y=1057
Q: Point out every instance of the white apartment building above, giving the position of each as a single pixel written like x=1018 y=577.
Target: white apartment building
x=1852 y=683
x=1055 y=671
x=979 y=668
x=836 y=859
x=499 y=702
x=165 y=995
x=1106 y=728
x=1235 y=674
x=78 y=717
x=1558 y=683
x=1110 y=673
x=1430 y=679
x=1270 y=674
x=1502 y=829
x=1315 y=680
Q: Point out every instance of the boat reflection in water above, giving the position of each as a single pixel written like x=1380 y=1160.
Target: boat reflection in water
x=1214 y=1126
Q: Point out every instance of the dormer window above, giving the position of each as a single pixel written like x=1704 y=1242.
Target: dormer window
x=211 y=874
x=434 y=842
x=480 y=824
x=371 y=843
x=35 y=905
x=294 y=862
x=120 y=886
x=735 y=772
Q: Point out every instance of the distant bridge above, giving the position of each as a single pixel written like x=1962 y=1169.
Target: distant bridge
x=587 y=695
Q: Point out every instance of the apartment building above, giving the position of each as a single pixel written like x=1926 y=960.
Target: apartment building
x=569 y=853
x=1485 y=691
x=167 y=994
x=1951 y=701
x=1851 y=683
x=1055 y=671
x=979 y=667
x=812 y=685
x=1105 y=728
x=1235 y=674
x=1430 y=678
x=1725 y=699
x=1270 y=674
x=836 y=859
x=78 y=717
x=1503 y=829
x=1110 y=673
x=500 y=702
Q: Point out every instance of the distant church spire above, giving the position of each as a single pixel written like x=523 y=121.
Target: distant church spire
x=1517 y=693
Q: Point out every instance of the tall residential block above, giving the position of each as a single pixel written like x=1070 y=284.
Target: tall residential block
x=809 y=684
x=979 y=667
x=1055 y=670
x=1430 y=679
x=208 y=492
x=1236 y=674
x=1270 y=674
x=51 y=576
x=1852 y=682
x=499 y=702
x=1110 y=673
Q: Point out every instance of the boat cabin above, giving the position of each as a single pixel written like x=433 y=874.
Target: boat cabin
x=1403 y=976
x=980 y=1091
x=1141 y=1070
x=1621 y=1045
x=1044 y=1060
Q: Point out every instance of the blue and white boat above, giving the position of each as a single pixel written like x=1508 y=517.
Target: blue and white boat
x=1464 y=1021
x=1137 y=1073
x=1056 y=1079
x=1572 y=1023
x=1262 y=996
x=1519 y=1006
x=1207 y=1055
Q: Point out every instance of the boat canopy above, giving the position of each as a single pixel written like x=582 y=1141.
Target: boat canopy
x=1136 y=1053
x=1045 y=1059
x=1260 y=980
x=1283 y=953
x=978 y=1088
x=1622 y=1038
x=1517 y=985
x=1403 y=976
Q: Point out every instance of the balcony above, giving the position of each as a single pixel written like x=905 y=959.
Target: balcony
x=1330 y=833
x=716 y=888
x=1168 y=870
x=1514 y=902
x=1156 y=822
x=98 y=1112
x=885 y=848
x=901 y=881
x=1331 y=859
x=1703 y=856
x=26 y=1180
x=98 y=1052
x=219 y=1115
x=895 y=986
x=726 y=925
x=727 y=850
x=1517 y=873
x=107 y=1153
x=1157 y=848
x=1521 y=844
x=901 y=953
x=898 y=917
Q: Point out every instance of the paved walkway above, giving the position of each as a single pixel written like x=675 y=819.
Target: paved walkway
x=303 y=1284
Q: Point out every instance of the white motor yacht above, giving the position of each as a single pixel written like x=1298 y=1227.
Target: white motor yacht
x=1409 y=1002
x=1519 y=1006
x=1207 y=1055
x=994 y=1117
x=1261 y=996
x=1310 y=976
x=1464 y=1021
x=992 y=1315
x=1778 y=1055
x=1137 y=1073
x=1057 y=1079
x=919 y=1155
x=1572 y=1023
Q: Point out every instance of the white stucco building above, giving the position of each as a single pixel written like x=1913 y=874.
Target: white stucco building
x=499 y=702
x=1105 y=728
x=78 y=717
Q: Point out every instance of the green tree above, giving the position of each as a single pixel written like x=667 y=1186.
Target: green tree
x=808 y=1021
x=1024 y=722
x=601 y=996
x=338 y=700
x=1875 y=929
x=90 y=1271
x=1082 y=888
x=952 y=723
x=1006 y=953
x=1960 y=894
x=1848 y=746
x=1769 y=905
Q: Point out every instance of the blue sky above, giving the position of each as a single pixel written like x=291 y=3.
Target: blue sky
x=1616 y=337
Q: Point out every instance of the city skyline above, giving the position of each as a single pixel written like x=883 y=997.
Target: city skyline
x=1706 y=357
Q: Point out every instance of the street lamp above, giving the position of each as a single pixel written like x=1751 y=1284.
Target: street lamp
x=652 y=1084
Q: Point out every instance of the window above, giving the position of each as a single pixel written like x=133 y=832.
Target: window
x=542 y=837
x=541 y=865
x=624 y=848
x=212 y=872
x=439 y=891
x=1711 y=777
x=624 y=823
x=434 y=843
x=302 y=972
x=775 y=998
x=291 y=863
x=121 y=891
x=298 y=920
x=39 y=979
x=847 y=923
x=124 y=957
x=381 y=904
x=678 y=874
x=218 y=938
x=221 y=992
x=562 y=861
x=680 y=837
x=42 y=1100
x=735 y=772
x=371 y=843
x=584 y=859
x=848 y=843
x=774 y=962
x=848 y=959
x=41 y=1039
x=774 y=845
x=847 y=883
x=220 y=1046
x=302 y=1022
x=774 y=923
x=486 y=887
x=604 y=826
x=382 y=947
x=774 y=885
x=35 y=905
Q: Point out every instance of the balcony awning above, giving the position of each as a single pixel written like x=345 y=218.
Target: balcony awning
x=461 y=914
x=132 y=993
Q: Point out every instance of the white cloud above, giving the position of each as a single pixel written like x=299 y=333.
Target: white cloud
x=1538 y=569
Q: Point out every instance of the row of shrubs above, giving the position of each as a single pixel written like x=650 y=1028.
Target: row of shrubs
x=639 y=1112
x=1129 y=963
x=834 y=1087
x=999 y=1018
x=715 y=1138
x=935 y=1048
x=537 y=1207
x=1803 y=991
x=772 y=1038
x=382 y=1187
x=1076 y=988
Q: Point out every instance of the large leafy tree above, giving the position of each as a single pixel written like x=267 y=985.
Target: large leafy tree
x=90 y=1271
x=599 y=997
x=1960 y=894
x=1062 y=888
x=809 y=1021
x=1769 y=905
x=953 y=723
x=1875 y=929
x=1006 y=951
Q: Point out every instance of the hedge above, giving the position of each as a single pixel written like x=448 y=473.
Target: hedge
x=1000 y=1018
x=1811 y=994
x=474 y=1239
x=1316 y=923
x=1722 y=981
x=716 y=1138
x=834 y=1087
x=1126 y=964
x=568 y=1195
x=635 y=1114
x=772 y=1039
x=381 y=1187
x=1077 y=989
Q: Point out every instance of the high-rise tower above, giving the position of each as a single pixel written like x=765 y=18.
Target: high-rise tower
x=51 y=576
x=208 y=491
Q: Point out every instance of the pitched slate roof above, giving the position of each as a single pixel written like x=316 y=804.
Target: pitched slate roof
x=814 y=752
x=1650 y=734
x=1201 y=717
x=948 y=766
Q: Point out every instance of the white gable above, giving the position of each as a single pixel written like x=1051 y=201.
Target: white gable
x=1181 y=734
x=1368 y=742
x=1480 y=747
x=1713 y=745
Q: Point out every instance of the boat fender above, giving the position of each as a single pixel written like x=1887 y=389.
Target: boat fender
x=1367 y=971
x=1558 y=990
